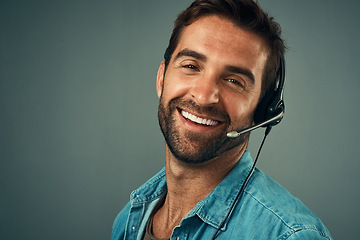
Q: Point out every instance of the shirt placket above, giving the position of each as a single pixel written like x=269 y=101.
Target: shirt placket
x=133 y=225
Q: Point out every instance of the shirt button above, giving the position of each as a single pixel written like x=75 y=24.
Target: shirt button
x=133 y=228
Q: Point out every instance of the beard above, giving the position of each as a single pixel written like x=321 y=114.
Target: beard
x=193 y=147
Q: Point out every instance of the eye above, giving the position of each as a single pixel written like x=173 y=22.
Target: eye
x=190 y=66
x=236 y=82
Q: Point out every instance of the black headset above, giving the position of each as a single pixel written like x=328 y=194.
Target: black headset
x=272 y=107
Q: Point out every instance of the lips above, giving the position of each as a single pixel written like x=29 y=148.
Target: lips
x=199 y=120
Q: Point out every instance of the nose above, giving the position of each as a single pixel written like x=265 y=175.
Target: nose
x=205 y=90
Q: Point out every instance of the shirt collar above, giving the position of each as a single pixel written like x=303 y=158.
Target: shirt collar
x=153 y=189
x=215 y=207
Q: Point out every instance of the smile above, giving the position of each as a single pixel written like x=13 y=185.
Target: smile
x=199 y=120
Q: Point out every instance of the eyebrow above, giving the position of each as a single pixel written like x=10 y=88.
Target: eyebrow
x=190 y=53
x=242 y=71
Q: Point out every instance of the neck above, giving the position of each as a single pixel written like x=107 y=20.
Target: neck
x=190 y=183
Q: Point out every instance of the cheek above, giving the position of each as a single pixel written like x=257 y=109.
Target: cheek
x=173 y=87
x=240 y=109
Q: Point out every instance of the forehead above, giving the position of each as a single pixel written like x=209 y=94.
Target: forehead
x=220 y=39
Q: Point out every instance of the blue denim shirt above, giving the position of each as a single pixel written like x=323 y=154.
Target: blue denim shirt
x=265 y=211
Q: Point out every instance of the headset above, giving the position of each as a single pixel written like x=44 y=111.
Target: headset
x=269 y=112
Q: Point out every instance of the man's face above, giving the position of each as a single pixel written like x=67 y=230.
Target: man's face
x=211 y=87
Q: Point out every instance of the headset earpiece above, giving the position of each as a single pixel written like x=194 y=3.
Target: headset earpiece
x=272 y=104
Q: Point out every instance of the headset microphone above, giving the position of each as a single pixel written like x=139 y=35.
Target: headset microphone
x=235 y=134
x=270 y=110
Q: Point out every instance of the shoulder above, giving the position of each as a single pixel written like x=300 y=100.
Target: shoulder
x=276 y=200
x=281 y=216
x=147 y=194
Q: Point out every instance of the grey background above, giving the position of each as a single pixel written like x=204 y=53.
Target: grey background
x=78 y=122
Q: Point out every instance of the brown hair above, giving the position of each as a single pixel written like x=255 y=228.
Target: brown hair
x=246 y=14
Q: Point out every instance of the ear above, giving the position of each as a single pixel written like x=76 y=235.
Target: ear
x=160 y=78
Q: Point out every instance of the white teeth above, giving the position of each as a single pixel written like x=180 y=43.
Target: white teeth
x=199 y=120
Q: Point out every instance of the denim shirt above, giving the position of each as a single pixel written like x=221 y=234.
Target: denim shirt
x=265 y=211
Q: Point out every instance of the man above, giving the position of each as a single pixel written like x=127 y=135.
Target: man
x=222 y=58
